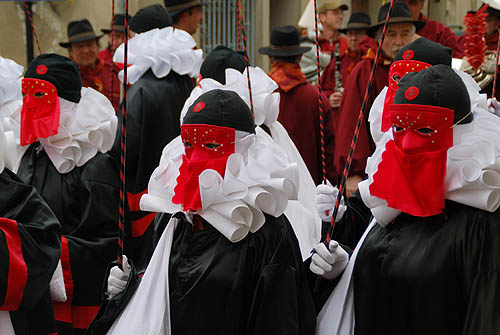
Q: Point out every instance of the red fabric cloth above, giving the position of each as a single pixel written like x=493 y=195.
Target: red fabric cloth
x=327 y=79
x=351 y=58
x=439 y=33
x=287 y=75
x=354 y=92
x=99 y=78
x=299 y=114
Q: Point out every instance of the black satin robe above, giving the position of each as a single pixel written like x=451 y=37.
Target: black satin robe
x=435 y=275
x=39 y=235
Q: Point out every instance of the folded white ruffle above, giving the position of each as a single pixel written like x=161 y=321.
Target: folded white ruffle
x=85 y=128
x=10 y=80
x=160 y=50
x=266 y=102
x=257 y=181
x=473 y=163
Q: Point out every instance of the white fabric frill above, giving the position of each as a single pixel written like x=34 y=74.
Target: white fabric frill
x=302 y=213
x=257 y=180
x=85 y=128
x=266 y=102
x=161 y=50
x=473 y=163
x=8 y=147
x=10 y=80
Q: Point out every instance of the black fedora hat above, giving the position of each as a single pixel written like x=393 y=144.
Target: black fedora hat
x=400 y=13
x=358 y=20
x=285 y=41
x=175 y=7
x=150 y=17
x=118 y=24
x=80 y=31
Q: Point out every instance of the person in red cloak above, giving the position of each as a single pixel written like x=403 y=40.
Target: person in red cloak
x=299 y=110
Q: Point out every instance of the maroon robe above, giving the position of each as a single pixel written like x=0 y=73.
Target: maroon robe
x=327 y=79
x=351 y=58
x=350 y=106
x=439 y=33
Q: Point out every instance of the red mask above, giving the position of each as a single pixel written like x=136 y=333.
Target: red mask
x=411 y=175
x=397 y=71
x=206 y=147
x=40 y=112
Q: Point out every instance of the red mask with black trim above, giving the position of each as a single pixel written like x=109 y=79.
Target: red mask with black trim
x=206 y=147
x=410 y=176
x=397 y=71
x=40 y=112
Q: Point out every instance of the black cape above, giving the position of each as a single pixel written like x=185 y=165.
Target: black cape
x=435 y=275
x=256 y=286
x=85 y=201
x=38 y=233
x=153 y=120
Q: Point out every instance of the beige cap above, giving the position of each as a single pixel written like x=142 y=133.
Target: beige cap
x=324 y=5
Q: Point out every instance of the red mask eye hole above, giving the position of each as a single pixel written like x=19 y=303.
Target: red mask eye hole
x=425 y=131
x=396 y=78
x=39 y=94
x=397 y=128
x=24 y=95
x=187 y=144
x=211 y=146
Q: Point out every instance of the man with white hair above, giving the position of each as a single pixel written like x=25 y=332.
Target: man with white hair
x=400 y=32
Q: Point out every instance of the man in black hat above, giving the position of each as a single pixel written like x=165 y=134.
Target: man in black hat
x=83 y=47
x=154 y=104
x=434 y=30
x=187 y=14
x=299 y=104
x=116 y=36
x=400 y=32
x=65 y=159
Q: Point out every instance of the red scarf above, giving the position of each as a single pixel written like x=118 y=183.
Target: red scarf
x=287 y=75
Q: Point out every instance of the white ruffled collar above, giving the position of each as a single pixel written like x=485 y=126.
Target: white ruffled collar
x=160 y=50
x=10 y=80
x=85 y=128
x=258 y=181
x=266 y=104
x=473 y=163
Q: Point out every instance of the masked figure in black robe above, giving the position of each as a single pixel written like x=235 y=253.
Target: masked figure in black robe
x=65 y=132
x=428 y=263
x=228 y=261
x=162 y=67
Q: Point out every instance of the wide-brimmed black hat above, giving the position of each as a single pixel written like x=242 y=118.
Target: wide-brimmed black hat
x=285 y=41
x=60 y=71
x=118 y=24
x=220 y=59
x=358 y=20
x=150 y=17
x=438 y=86
x=80 y=31
x=221 y=108
x=400 y=13
x=175 y=7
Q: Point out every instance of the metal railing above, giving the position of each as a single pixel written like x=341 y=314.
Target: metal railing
x=220 y=25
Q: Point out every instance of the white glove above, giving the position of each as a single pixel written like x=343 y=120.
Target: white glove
x=493 y=106
x=326 y=195
x=117 y=279
x=329 y=263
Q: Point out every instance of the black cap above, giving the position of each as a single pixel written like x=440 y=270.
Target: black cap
x=424 y=50
x=150 y=17
x=175 y=7
x=493 y=12
x=60 y=71
x=221 y=108
x=439 y=86
x=220 y=59
x=357 y=21
x=80 y=31
x=118 y=24
x=400 y=13
x=285 y=41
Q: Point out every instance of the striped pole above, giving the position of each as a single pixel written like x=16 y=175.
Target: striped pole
x=112 y=50
x=241 y=20
x=30 y=18
x=123 y=151
x=320 y=101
